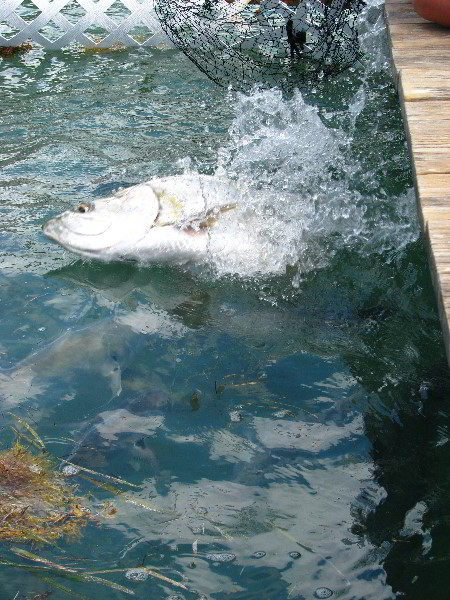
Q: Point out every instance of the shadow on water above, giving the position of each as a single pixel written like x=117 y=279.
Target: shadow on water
x=404 y=369
x=378 y=316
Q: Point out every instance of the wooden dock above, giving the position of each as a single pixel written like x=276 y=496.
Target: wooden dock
x=420 y=53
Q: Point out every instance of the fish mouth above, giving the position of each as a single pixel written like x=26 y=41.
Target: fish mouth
x=58 y=227
x=74 y=240
x=96 y=231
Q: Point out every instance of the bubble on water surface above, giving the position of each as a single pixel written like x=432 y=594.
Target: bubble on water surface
x=259 y=554
x=221 y=557
x=280 y=414
x=323 y=592
x=294 y=555
x=70 y=470
x=235 y=416
x=137 y=574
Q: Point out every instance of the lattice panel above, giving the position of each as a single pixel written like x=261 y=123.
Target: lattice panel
x=56 y=24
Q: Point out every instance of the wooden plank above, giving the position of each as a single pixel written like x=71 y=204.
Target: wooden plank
x=405 y=17
x=434 y=212
x=430 y=163
x=432 y=58
x=419 y=84
x=428 y=137
x=423 y=28
x=434 y=189
x=433 y=110
x=408 y=59
x=401 y=13
x=422 y=37
x=420 y=54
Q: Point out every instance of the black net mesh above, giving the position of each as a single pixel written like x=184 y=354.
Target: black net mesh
x=241 y=42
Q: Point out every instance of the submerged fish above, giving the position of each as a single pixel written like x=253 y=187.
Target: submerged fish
x=123 y=433
x=165 y=220
x=100 y=348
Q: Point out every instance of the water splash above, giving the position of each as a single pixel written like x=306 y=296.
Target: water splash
x=330 y=167
x=314 y=194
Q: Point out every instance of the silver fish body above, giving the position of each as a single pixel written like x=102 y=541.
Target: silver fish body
x=164 y=221
x=99 y=349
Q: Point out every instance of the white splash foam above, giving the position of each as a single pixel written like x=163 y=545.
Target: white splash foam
x=308 y=205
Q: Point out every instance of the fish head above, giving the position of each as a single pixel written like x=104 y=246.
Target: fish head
x=141 y=224
x=107 y=228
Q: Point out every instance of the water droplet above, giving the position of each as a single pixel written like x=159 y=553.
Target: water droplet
x=423 y=390
x=137 y=574
x=294 y=555
x=259 y=554
x=222 y=557
x=323 y=592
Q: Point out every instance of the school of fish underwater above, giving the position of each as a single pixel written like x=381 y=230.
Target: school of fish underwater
x=269 y=422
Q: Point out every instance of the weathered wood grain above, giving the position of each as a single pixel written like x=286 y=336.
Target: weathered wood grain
x=420 y=53
x=430 y=84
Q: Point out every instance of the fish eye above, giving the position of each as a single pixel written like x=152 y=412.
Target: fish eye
x=84 y=207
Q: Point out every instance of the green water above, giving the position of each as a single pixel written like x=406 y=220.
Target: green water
x=303 y=411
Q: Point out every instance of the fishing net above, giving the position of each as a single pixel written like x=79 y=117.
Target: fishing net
x=240 y=42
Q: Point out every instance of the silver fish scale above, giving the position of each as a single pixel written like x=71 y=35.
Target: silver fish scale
x=190 y=199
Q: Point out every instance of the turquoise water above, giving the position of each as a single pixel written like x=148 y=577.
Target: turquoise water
x=302 y=411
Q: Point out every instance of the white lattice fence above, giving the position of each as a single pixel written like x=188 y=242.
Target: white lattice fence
x=56 y=24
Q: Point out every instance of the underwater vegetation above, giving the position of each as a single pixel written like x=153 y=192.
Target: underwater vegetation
x=38 y=505
x=36 y=502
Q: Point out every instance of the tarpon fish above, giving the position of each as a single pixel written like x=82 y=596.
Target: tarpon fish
x=166 y=220
x=102 y=348
x=99 y=348
x=123 y=433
